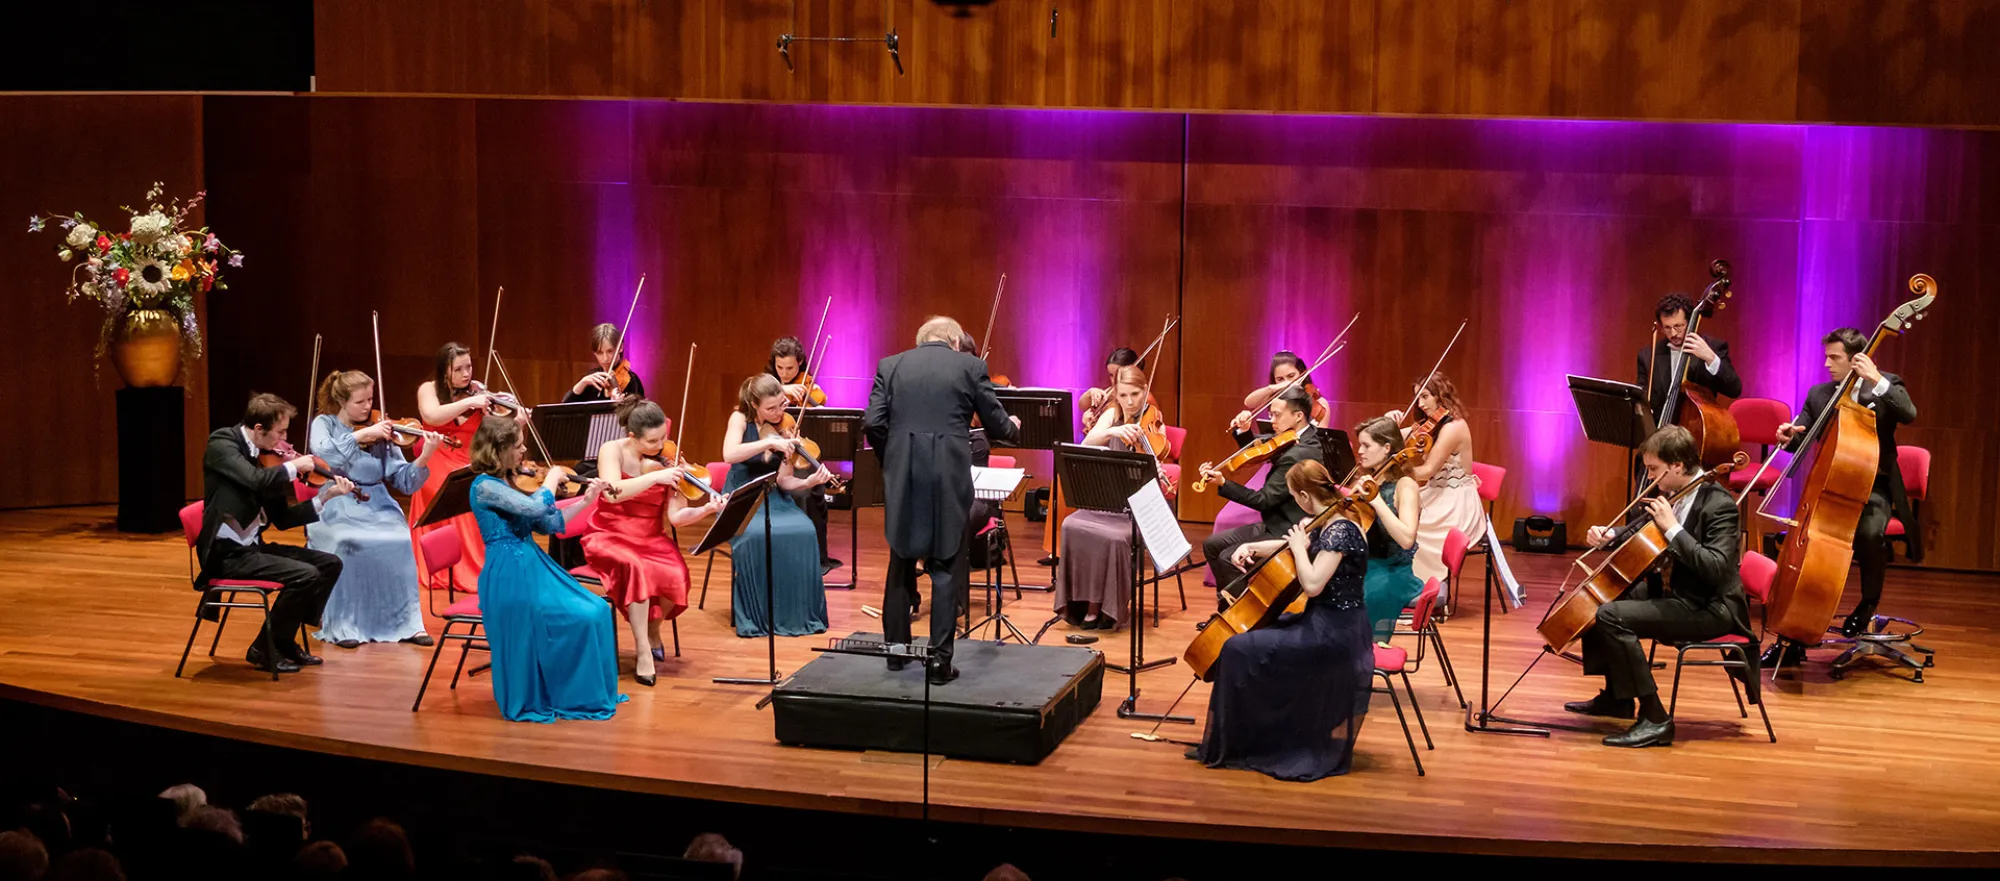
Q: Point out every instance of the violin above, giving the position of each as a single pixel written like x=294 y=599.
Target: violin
x=1253 y=454
x=1843 y=449
x=1705 y=417
x=1271 y=587
x=318 y=475
x=530 y=476
x=805 y=454
x=621 y=378
x=694 y=484
x=1632 y=552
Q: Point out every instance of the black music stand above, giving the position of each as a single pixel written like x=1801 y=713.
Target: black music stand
x=876 y=645
x=454 y=497
x=1099 y=479
x=837 y=431
x=1048 y=417
x=1613 y=412
x=744 y=501
x=1001 y=484
x=568 y=428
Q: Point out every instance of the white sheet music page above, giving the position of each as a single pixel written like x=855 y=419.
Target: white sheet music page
x=1158 y=528
x=995 y=482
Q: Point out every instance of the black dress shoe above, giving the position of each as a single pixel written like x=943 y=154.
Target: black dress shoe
x=422 y=639
x=1857 y=621
x=1049 y=560
x=1782 y=654
x=1603 y=705
x=1193 y=752
x=351 y=643
x=1644 y=733
x=916 y=603
x=1202 y=625
x=259 y=660
x=300 y=656
x=942 y=674
x=827 y=566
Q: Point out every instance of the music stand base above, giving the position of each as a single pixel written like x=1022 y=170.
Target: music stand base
x=1485 y=725
x=744 y=680
x=1126 y=711
x=1143 y=667
x=999 y=621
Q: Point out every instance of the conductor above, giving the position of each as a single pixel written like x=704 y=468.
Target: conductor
x=919 y=420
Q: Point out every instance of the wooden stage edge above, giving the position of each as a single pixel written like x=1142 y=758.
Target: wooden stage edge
x=1722 y=794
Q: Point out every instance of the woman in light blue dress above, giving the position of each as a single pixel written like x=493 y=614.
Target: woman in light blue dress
x=555 y=655
x=755 y=446
x=376 y=597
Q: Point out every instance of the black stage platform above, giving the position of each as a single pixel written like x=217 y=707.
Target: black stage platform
x=1011 y=703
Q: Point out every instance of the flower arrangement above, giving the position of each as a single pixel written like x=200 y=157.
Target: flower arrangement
x=153 y=268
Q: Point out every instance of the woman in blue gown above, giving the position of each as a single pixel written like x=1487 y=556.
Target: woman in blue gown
x=1289 y=698
x=376 y=597
x=1390 y=585
x=754 y=446
x=555 y=655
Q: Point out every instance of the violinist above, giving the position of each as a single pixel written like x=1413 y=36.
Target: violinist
x=1450 y=493
x=1289 y=698
x=452 y=404
x=1660 y=366
x=1274 y=500
x=643 y=572
x=787 y=365
x=1392 y=540
x=1096 y=400
x=240 y=498
x=1884 y=394
x=602 y=385
x=1093 y=586
x=376 y=597
x=1703 y=598
x=754 y=445
x=1285 y=367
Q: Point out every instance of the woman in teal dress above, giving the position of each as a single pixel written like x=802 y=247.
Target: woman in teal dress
x=1390 y=585
x=755 y=446
x=555 y=655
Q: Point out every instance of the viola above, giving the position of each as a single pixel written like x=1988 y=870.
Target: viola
x=809 y=393
x=530 y=476
x=694 y=484
x=1844 y=451
x=621 y=378
x=1634 y=551
x=1271 y=587
x=1253 y=454
x=805 y=454
x=1704 y=416
x=499 y=404
x=317 y=475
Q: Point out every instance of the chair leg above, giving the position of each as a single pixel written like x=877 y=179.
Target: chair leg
x=1419 y=710
x=1397 y=702
x=1444 y=662
x=198 y=606
x=270 y=639
x=1675 y=699
x=219 y=624
x=435 y=652
x=676 y=624
x=1182 y=588
x=1767 y=721
x=463 y=651
x=1736 y=692
x=705 y=572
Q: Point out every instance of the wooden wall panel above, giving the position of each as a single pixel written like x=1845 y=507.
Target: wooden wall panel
x=90 y=154
x=1862 y=61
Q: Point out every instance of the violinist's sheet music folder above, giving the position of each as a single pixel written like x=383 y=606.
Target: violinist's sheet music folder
x=1612 y=412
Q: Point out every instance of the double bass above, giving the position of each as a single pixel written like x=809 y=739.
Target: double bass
x=1271 y=587
x=1691 y=406
x=1632 y=552
x=1844 y=452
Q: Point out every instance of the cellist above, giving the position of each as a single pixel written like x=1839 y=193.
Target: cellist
x=1659 y=366
x=1705 y=600
x=1885 y=394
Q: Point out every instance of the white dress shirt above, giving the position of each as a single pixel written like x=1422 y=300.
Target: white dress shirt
x=246 y=535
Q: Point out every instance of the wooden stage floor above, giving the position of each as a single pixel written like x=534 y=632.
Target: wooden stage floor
x=1870 y=769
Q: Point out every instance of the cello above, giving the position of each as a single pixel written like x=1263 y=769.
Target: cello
x=1704 y=415
x=1845 y=453
x=1631 y=553
x=1271 y=587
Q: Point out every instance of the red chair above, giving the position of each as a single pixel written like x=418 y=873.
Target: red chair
x=998 y=461
x=586 y=575
x=718 y=477
x=1428 y=637
x=223 y=594
x=1757 y=421
x=462 y=620
x=1390 y=660
x=441 y=552
x=1734 y=651
x=1454 y=553
x=1915 y=463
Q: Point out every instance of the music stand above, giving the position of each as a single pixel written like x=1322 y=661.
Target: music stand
x=1099 y=479
x=744 y=501
x=837 y=431
x=454 y=497
x=1048 y=417
x=574 y=431
x=1612 y=412
x=1336 y=448
x=995 y=485
x=875 y=645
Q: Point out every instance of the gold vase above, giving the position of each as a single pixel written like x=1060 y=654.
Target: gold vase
x=146 y=348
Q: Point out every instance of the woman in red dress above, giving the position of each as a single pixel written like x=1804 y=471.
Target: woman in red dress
x=628 y=546
x=453 y=405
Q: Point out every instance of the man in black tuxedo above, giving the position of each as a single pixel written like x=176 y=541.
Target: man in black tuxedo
x=1291 y=410
x=1659 y=367
x=1884 y=394
x=240 y=498
x=919 y=421
x=1705 y=601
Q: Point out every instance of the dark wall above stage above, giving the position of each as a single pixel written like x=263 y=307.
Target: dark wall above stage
x=1847 y=61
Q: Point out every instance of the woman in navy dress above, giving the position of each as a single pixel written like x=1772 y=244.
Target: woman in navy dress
x=753 y=446
x=555 y=655
x=1289 y=698
x=376 y=598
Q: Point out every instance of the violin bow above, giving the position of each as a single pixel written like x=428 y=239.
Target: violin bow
x=375 y=330
x=537 y=435
x=488 y=378
x=629 y=312
x=814 y=378
x=1434 y=369
x=991 y=314
x=680 y=426
x=1333 y=348
x=312 y=388
x=812 y=357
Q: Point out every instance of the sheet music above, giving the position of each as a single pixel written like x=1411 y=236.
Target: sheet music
x=1515 y=593
x=996 y=482
x=1158 y=529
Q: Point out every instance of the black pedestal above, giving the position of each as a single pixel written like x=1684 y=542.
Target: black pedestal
x=152 y=447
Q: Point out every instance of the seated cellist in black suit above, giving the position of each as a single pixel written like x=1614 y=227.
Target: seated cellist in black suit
x=1705 y=599
x=240 y=498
